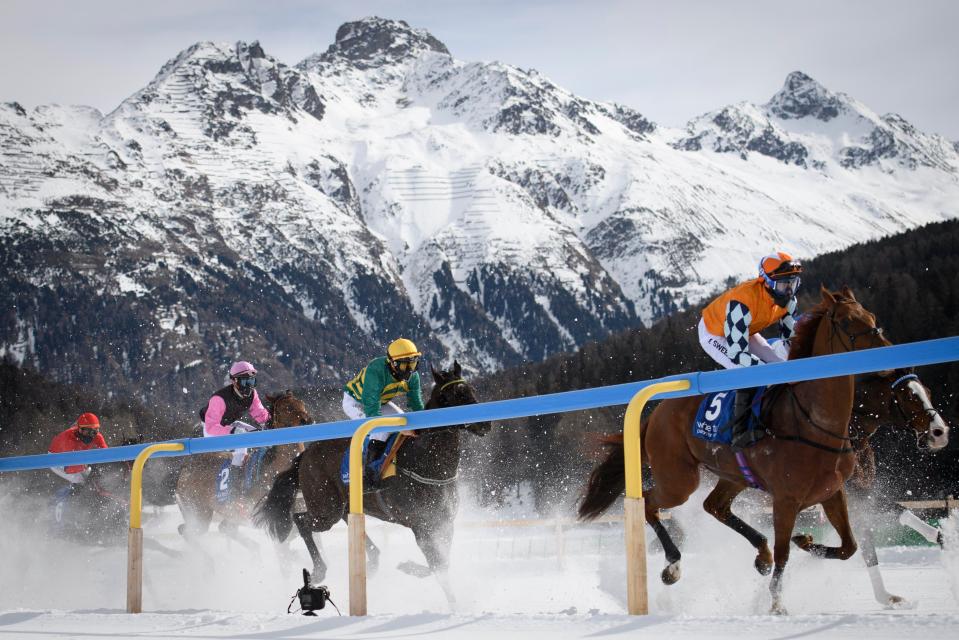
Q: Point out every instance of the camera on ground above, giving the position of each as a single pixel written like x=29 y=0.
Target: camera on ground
x=311 y=598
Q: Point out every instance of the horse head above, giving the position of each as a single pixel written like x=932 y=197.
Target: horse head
x=451 y=390
x=851 y=327
x=914 y=404
x=286 y=410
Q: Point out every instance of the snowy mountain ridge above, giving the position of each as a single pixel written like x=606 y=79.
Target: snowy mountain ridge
x=304 y=215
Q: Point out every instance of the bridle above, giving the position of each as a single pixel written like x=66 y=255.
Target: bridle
x=915 y=414
x=434 y=482
x=838 y=327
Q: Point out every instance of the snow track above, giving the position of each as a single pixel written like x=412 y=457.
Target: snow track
x=509 y=582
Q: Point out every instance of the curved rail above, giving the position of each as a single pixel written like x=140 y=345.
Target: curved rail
x=135 y=535
x=905 y=355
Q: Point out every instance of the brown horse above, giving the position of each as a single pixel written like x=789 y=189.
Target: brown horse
x=887 y=397
x=805 y=460
x=197 y=485
x=422 y=496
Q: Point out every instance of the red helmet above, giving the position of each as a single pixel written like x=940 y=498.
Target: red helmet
x=88 y=421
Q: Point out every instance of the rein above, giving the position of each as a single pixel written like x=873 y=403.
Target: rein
x=870 y=331
x=812 y=443
x=433 y=482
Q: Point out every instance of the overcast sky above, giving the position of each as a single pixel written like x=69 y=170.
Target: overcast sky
x=669 y=60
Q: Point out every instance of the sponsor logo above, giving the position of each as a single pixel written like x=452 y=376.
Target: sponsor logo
x=716 y=344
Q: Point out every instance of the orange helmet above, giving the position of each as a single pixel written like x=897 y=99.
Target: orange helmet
x=780 y=272
x=779 y=265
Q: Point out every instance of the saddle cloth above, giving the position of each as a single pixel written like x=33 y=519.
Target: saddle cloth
x=385 y=465
x=712 y=422
x=250 y=469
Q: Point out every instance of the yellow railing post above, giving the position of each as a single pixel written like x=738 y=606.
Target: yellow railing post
x=356 y=519
x=135 y=535
x=637 y=596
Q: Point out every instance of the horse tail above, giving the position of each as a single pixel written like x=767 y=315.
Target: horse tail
x=606 y=482
x=273 y=512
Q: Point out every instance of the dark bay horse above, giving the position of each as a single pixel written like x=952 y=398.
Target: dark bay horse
x=896 y=398
x=805 y=460
x=422 y=496
x=197 y=485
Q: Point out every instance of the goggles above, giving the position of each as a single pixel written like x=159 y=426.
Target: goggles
x=246 y=382
x=406 y=364
x=86 y=432
x=788 y=285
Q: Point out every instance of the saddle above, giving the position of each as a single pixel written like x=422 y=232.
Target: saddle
x=248 y=472
x=713 y=421
x=385 y=464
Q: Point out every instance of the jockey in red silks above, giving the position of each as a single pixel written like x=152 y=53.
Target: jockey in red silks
x=82 y=435
x=221 y=416
x=731 y=324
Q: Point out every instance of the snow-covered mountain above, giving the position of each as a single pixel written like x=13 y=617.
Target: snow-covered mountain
x=303 y=216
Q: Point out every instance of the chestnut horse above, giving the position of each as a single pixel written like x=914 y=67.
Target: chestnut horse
x=422 y=496
x=880 y=398
x=196 y=487
x=804 y=461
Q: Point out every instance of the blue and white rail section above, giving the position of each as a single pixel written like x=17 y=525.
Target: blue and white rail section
x=868 y=360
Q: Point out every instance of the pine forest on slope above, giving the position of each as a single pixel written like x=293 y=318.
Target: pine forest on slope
x=910 y=280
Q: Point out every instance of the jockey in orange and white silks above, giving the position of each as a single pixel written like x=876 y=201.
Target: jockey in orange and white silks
x=731 y=324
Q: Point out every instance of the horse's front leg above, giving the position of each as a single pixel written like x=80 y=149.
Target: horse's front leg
x=838 y=514
x=785 y=511
x=869 y=556
x=435 y=540
x=718 y=504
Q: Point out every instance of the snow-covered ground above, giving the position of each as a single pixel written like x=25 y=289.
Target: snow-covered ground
x=510 y=582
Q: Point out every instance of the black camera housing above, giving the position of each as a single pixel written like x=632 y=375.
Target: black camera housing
x=311 y=598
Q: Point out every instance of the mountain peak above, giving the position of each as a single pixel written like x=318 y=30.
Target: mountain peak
x=802 y=96
x=374 y=41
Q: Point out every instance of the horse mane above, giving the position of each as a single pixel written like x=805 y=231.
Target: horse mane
x=806 y=327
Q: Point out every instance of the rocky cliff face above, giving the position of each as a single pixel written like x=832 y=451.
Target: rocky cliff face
x=303 y=216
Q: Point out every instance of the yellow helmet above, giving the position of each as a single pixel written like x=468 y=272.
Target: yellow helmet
x=402 y=348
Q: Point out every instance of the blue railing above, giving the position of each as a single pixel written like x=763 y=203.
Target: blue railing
x=897 y=356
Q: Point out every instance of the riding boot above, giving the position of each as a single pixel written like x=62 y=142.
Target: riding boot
x=371 y=475
x=743 y=437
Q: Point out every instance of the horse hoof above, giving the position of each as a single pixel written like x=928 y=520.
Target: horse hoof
x=898 y=602
x=803 y=541
x=414 y=569
x=778 y=609
x=319 y=573
x=764 y=567
x=671 y=574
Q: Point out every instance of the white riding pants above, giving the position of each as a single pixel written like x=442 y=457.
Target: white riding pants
x=716 y=347
x=238 y=427
x=354 y=411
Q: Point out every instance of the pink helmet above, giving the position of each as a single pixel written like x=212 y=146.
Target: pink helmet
x=240 y=368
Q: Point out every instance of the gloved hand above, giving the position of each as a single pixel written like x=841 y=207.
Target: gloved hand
x=242 y=427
